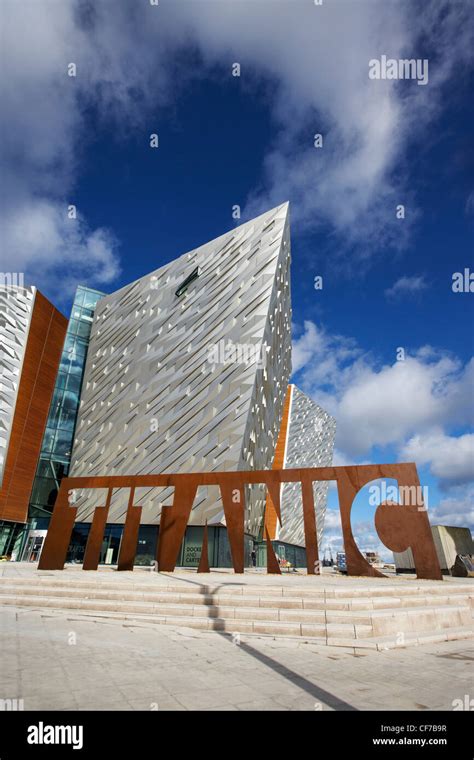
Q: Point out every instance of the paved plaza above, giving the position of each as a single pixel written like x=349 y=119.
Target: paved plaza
x=63 y=659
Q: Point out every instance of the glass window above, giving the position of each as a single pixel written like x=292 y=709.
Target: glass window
x=146 y=546
x=90 y=299
x=60 y=461
x=74 y=385
x=224 y=557
x=87 y=314
x=44 y=492
x=68 y=411
x=73 y=325
x=59 y=469
x=111 y=544
x=67 y=419
x=82 y=344
x=61 y=380
x=77 y=547
x=63 y=443
x=48 y=439
x=83 y=329
x=75 y=368
x=55 y=408
x=44 y=468
x=73 y=356
x=74 y=347
x=192 y=545
x=79 y=297
x=81 y=348
x=68 y=353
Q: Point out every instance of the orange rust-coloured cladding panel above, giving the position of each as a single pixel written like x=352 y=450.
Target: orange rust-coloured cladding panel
x=271 y=517
x=38 y=376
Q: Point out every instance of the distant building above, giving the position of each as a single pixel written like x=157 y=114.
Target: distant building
x=449 y=541
x=373 y=558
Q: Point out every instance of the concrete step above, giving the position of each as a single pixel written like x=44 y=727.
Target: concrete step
x=308 y=596
x=165 y=596
x=384 y=643
x=159 y=583
x=249 y=614
x=346 y=636
x=361 y=611
x=176 y=616
x=331 y=623
x=165 y=607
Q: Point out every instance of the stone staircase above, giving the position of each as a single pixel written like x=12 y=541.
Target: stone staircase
x=378 y=616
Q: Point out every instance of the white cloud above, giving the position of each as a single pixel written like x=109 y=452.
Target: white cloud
x=456 y=509
x=384 y=405
x=308 y=344
x=389 y=404
x=407 y=286
x=332 y=520
x=43 y=241
x=450 y=458
x=325 y=359
x=44 y=128
x=316 y=58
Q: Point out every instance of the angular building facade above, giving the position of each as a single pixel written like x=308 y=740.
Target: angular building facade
x=32 y=333
x=187 y=371
x=306 y=439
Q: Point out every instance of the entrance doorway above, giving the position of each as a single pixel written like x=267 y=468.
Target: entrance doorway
x=34 y=545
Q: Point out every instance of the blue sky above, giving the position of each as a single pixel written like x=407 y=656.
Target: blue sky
x=248 y=140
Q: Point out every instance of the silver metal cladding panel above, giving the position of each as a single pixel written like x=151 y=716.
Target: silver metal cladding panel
x=154 y=398
x=270 y=387
x=16 y=308
x=310 y=443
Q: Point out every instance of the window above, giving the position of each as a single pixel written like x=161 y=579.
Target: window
x=184 y=285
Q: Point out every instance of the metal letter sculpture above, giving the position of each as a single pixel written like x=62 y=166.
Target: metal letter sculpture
x=399 y=526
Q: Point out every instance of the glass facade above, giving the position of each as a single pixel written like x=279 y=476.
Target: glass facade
x=58 y=438
x=188 y=556
x=295 y=555
x=218 y=547
x=11 y=534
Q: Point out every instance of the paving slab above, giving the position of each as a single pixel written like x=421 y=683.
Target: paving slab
x=125 y=664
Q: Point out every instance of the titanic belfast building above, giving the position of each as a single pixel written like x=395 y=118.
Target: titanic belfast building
x=185 y=370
